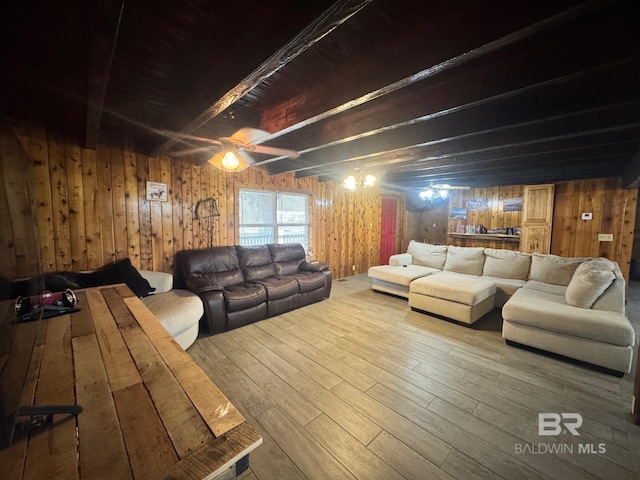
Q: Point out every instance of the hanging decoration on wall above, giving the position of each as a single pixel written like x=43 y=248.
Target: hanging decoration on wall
x=205 y=212
x=477 y=204
x=512 y=204
x=157 y=191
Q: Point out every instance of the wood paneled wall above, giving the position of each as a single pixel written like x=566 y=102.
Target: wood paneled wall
x=91 y=207
x=19 y=255
x=494 y=216
x=614 y=212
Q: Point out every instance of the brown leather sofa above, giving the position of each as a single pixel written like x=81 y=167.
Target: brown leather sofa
x=241 y=285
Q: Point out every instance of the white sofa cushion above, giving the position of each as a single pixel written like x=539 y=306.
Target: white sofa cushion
x=551 y=312
x=553 y=269
x=589 y=281
x=454 y=288
x=469 y=260
x=506 y=264
x=427 y=255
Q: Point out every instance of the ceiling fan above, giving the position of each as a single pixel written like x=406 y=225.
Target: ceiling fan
x=234 y=153
x=439 y=191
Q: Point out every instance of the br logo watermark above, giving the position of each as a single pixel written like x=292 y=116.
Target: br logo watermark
x=551 y=424
x=556 y=424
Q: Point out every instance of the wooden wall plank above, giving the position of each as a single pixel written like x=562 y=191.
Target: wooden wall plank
x=131 y=203
x=105 y=202
x=144 y=213
x=90 y=197
x=116 y=153
x=77 y=220
x=59 y=201
x=155 y=175
x=39 y=153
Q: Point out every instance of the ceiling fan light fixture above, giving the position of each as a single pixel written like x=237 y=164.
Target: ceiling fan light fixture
x=358 y=179
x=230 y=162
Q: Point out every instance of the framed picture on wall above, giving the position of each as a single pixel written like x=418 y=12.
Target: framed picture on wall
x=477 y=204
x=157 y=191
x=512 y=204
x=458 y=214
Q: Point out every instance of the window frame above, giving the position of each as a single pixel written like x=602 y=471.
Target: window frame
x=275 y=192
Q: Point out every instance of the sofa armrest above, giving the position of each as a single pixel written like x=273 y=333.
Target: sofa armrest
x=314 y=267
x=161 y=281
x=201 y=285
x=401 y=259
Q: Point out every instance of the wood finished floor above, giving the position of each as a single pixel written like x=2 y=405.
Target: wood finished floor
x=360 y=387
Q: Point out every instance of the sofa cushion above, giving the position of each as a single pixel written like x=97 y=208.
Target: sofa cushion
x=400 y=275
x=506 y=264
x=286 y=257
x=279 y=286
x=308 y=281
x=551 y=312
x=219 y=265
x=553 y=269
x=590 y=280
x=545 y=287
x=469 y=260
x=244 y=295
x=255 y=262
x=427 y=255
x=467 y=290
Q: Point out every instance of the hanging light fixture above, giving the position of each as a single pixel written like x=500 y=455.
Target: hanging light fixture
x=228 y=161
x=358 y=179
x=431 y=194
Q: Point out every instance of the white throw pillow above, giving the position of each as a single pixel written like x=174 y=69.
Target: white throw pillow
x=506 y=264
x=553 y=269
x=589 y=281
x=427 y=255
x=467 y=260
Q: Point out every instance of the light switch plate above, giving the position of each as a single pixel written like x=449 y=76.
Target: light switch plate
x=587 y=215
x=605 y=237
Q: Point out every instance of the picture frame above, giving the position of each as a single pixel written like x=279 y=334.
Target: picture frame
x=157 y=191
x=512 y=204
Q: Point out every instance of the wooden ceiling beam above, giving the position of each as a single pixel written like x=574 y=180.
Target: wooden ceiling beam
x=576 y=91
x=105 y=24
x=477 y=48
x=339 y=13
x=583 y=125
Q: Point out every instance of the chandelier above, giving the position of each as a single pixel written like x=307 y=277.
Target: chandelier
x=358 y=179
x=432 y=194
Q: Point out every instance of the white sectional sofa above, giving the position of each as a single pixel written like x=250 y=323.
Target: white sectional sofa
x=574 y=307
x=179 y=311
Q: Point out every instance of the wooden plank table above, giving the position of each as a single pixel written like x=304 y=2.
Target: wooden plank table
x=148 y=410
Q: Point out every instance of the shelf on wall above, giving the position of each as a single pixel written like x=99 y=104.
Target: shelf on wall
x=487 y=236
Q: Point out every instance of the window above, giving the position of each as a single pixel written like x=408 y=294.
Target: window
x=273 y=217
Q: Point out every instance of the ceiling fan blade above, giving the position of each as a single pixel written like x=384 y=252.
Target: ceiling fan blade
x=183 y=136
x=244 y=155
x=191 y=151
x=248 y=135
x=444 y=186
x=276 y=152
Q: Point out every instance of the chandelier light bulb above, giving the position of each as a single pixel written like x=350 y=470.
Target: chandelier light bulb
x=230 y=161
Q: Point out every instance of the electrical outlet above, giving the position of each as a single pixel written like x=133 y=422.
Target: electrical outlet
x=605 y=237
x=353 y=268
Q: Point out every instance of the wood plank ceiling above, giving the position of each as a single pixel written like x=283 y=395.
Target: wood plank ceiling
x=415 y=92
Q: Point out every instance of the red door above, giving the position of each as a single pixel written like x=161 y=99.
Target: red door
x=388 y=229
